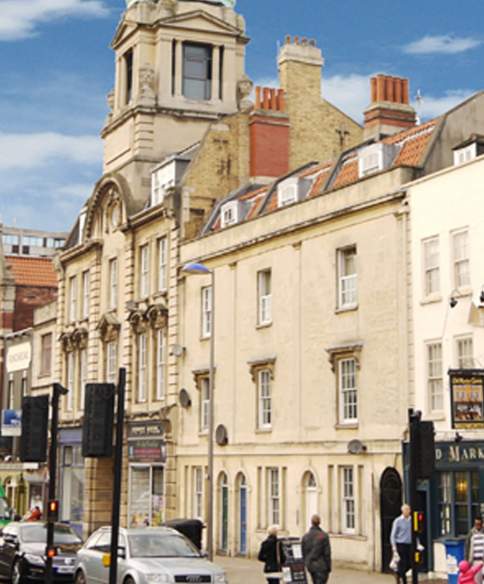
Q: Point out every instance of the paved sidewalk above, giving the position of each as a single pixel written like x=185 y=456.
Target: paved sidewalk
x=242 y=571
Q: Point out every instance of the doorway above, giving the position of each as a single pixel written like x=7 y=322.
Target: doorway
x=242 y=492
x=390 y=508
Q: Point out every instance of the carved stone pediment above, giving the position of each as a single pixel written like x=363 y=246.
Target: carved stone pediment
x=267 y=363
x=199 y=375
x=74 y=340
x=352 y=349
x=109 y=327
x=138 y=321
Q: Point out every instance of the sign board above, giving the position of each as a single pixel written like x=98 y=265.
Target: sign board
x=146 y=442
x=467 y=398
x=18 y=357
x=453 y=454
x=11 y=423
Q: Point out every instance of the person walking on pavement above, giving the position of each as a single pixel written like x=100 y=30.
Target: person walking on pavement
x=272 y=554
x=478 y=528
x=401 y=540
x=316 y=549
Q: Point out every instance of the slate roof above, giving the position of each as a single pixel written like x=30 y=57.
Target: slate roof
x=37 y=272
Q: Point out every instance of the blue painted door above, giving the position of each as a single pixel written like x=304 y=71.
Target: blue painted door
x=243 y=520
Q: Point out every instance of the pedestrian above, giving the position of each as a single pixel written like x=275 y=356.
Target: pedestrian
x=316 y=549
x=401 y=540
x=34 y=515
x=467 y=574
x=476 y=552
x=272 y=554
x=477 y=528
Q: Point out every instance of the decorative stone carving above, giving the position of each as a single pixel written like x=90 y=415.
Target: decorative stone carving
x=157 y=316
x=347 y=350
x=74 y=340
x=147 y=95
x=268 y=363
x=138 y=322
x=244 y=89
x=109 y=327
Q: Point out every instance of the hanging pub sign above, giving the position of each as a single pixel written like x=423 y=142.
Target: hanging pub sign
x=467 y=398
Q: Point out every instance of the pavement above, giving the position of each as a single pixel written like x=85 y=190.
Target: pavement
x=242 y=571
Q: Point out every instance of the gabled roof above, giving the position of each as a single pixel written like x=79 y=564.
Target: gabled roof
x=37 y=272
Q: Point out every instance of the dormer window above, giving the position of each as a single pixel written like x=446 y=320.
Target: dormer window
x=162 y=179
x=230 y=214
x=287 y=194
x=466 y=154
x=374 y=158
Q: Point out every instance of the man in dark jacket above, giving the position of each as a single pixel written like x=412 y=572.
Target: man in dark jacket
x=316 y=550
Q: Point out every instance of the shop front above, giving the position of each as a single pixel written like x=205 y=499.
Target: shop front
x=147 y=458
x=456 y=494
x=71 y=486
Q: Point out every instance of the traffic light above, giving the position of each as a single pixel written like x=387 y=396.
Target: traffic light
x=51 y=552
x=418 y=521
x=53 y=511
x=97 y=432
x=418 y=557
x=425 y=450
x=35 y=420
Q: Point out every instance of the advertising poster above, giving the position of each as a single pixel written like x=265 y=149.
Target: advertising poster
x=467 y=398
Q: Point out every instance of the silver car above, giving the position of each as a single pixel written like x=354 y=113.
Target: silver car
x=150 y=555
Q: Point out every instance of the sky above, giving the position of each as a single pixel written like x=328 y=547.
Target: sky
x=57 y=67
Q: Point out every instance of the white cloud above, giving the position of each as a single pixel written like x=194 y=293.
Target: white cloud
x=350 y=93
x=20 y=18
x=433 y=106
x=28 y=151
x=441 y=44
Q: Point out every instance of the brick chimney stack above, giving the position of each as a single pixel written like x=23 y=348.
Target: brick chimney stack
x=269 y=134
x=390 y=111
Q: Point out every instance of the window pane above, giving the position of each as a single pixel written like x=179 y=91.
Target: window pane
x=195 y=89
x=140 y=497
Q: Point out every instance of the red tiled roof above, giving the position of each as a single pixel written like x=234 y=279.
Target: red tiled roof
x=28 y=271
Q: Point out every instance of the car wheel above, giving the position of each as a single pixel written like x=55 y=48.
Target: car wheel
x=17 y=577
x=80 y=578
x=129 y=580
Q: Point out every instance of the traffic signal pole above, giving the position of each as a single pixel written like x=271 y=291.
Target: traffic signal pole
x=118 y=464
x=413 y=421
x=58 y=390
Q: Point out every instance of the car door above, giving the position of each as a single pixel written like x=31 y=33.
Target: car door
x=96 y=571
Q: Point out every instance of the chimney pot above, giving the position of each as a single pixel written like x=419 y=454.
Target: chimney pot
x=258 y=102
x=281 y=99
x=267 y=99
x=273 y=100
x=288 y=39
x=296 y=40
x=312 y=43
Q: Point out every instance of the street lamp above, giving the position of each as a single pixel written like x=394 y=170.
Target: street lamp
x=199 y=269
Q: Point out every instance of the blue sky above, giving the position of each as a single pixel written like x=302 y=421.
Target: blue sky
x=57 y=68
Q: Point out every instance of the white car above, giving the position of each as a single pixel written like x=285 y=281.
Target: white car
x=150 y=555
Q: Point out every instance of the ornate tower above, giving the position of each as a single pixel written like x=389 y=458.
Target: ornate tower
x=179 y=64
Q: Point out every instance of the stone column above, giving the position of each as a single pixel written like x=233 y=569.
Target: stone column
x=165 y=68
x=216 y=73
x=179 y=69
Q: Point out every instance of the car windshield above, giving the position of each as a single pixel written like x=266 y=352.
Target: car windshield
x=38 y=534
x=152 y=545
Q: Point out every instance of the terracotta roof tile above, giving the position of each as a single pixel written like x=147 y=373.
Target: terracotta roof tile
x=347 y=174
x=28 y=271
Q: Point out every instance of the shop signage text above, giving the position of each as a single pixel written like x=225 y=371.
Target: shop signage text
x=18 y=357
x=459 y=453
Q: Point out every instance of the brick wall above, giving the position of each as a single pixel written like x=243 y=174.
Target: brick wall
x=27 y=299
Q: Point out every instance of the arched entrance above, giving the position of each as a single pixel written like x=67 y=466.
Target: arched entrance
x=242 y=496
x=390 y=504
x=311 y=498
x=224 y=512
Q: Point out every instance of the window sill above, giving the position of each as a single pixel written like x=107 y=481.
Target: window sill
x=347 y=426
x=343 y=309
x=263 y=325
x=202 y=338
x=161 y=293
x=203 y=433
x=463 y=292
x=431 y=299
x=263 y=430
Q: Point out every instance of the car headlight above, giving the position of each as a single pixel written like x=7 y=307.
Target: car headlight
x=219 y=579
x=34 y=560
x=159 y=578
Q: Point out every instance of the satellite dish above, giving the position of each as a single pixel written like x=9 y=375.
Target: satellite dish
x=356 y=447
x=184 y=397
x=221 y=435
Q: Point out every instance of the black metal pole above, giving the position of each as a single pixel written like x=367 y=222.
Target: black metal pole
x=58 y=390
x=413 y=420
x=117 y=475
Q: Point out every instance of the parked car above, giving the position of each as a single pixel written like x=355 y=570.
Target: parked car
x=146 y=555
x=22 y=552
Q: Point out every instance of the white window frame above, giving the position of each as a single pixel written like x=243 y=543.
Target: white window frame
x=204 y=404
x=429 y=267
x=163 y=264
x=86 y=281
x=370 y=160
x=206 y=300
x=348 y=393
x=144 y=270
x=73 y=299
x=113 y=283
x=465 y=154
x=70 y=380
x=229 y=214
x=347 y=282
x=287 y=194
x=264 y=398
x=274 y=496
x=464 y=359
x=459 y=261
x=83 y=377
x=264 y=296
x=160 y=389
x=111 y=361
x=434 y=377
x=198 y=493
x=348 y=500
x=143 y=361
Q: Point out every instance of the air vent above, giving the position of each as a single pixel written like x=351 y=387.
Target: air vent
x=221 y=435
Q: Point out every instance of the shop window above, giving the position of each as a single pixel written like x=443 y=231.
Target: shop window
x=146 y=495
x=72 y=483
x=458 y=500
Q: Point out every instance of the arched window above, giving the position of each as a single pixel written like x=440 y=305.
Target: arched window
x=242 y=514
x=223 y=487
x=310 y=498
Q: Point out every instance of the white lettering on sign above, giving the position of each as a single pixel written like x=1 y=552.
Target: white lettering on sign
x=18 y=357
